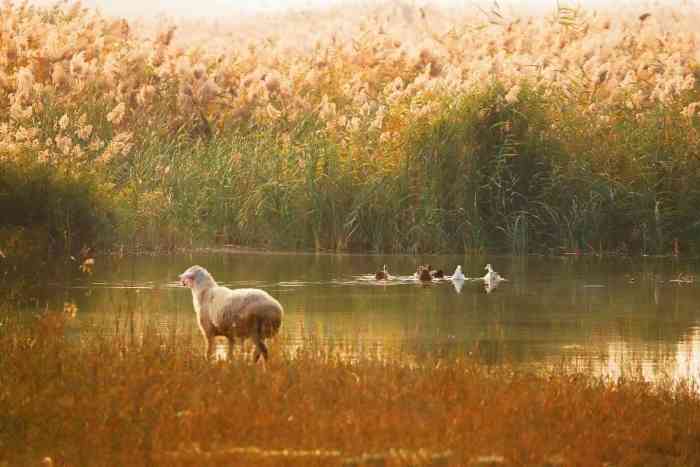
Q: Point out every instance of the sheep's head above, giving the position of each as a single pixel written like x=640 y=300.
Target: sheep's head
x=196 y=277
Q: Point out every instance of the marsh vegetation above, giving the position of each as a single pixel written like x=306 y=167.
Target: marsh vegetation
x=108 y=368
x=401 y=129
x=150 y=399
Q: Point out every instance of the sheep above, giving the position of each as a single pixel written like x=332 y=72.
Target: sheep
x=238 y=313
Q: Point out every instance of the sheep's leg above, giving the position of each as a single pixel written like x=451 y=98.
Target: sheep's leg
x=230 y=346
x=210 y=346
x=208 y=334
x=260 y=349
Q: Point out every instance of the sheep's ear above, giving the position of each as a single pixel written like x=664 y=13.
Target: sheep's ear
x=187 y=278
x=187 y=274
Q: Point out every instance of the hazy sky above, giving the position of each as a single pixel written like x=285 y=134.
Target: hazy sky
x=228 y=8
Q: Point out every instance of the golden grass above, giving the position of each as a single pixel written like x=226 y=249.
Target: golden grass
x=371 y=73
x=311 y=130
x=155 y=401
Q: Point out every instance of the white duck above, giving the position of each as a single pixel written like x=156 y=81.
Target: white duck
x=458 y=275
x=491 y=276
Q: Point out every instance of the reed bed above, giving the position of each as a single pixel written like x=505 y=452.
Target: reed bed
x=399 y=129
x=148 y=399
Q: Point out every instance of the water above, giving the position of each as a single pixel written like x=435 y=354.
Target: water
x=612 y=316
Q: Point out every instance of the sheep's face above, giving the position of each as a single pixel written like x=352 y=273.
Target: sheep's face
x=194 y=277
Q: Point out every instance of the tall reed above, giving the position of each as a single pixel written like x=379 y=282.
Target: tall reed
x=572 y=132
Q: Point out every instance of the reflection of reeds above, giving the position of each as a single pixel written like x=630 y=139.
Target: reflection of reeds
x=145 y=398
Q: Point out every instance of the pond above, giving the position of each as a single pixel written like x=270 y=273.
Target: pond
x=610 y=316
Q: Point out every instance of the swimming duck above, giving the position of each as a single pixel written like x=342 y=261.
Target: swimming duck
x=439 y=274
x=458 y=275
x=491 y=275
x=423 y=273
x=382 y=274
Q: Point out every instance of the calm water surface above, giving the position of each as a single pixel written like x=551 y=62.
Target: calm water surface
x=610 y=315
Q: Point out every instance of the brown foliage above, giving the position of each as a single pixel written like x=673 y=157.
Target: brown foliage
x=137 y=400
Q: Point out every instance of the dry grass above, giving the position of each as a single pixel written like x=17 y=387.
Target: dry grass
x=122 y=400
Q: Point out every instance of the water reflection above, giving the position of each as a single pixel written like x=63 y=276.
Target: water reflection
x=491 y=284
x=614 y=317
x=688 y=356
x=653 y=362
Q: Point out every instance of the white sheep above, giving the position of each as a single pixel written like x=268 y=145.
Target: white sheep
x=238 y=313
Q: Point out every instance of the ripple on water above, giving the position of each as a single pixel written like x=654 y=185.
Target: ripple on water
x=588 y=313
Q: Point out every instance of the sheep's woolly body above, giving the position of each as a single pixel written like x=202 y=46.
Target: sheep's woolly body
x=234 y=312
x=238 y=313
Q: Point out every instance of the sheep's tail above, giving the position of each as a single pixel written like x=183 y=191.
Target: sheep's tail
x=268 y=326
x=265 y=325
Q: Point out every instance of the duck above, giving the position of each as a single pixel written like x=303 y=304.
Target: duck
x=458 y=275
x=491 y=275
x=423 y=273
x=382 y=274
x=439 y=274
